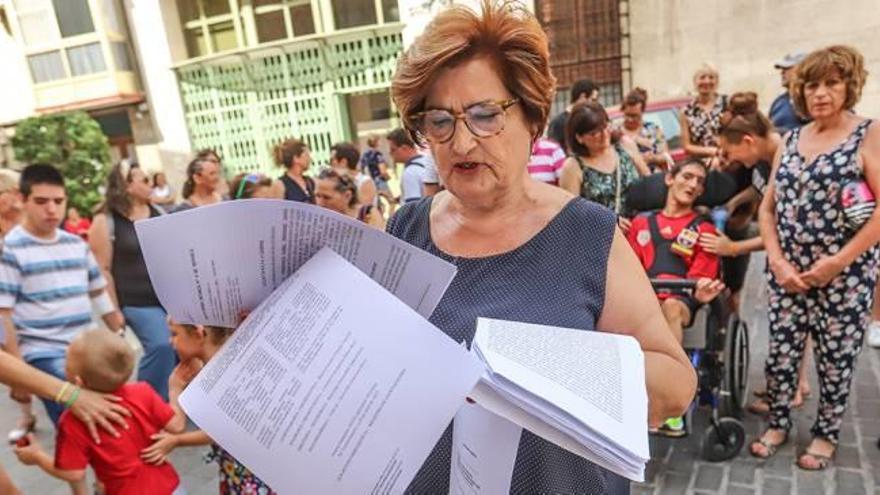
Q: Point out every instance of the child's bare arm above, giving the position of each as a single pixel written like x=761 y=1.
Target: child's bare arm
x=164 y=443
x=181 y=376
x=34 y=455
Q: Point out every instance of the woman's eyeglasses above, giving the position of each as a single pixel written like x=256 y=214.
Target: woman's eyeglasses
x=250 y=178
x=483 y=120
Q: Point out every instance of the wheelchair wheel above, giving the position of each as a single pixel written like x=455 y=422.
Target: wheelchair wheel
x=724 y=440
x=736 y=367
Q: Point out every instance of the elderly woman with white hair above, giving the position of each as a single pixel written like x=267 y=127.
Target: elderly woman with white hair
x=701 y=118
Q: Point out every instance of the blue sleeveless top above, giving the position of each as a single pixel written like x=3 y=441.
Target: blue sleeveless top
x=556 y=278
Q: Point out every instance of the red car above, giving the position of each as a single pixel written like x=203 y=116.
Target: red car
x=664 y=113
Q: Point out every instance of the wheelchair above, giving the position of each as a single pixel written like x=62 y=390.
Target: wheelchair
x=717 y=342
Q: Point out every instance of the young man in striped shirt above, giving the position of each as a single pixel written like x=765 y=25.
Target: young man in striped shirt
x=49 y=281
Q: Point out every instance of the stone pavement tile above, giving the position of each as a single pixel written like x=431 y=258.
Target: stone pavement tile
x=709 y=477
x=742 y=471
x=660 y=446
x=780 y=465
x=638 y=489
x=869 y=426
x=739 y=490
x=675 y=484
x=681 y=461
x=848 y=434
x=848 y=482
x=810 y=482
x=869 y=392
x=848 y=457
x=776 y=486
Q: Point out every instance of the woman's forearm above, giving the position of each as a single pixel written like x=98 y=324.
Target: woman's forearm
x=17 y=374
x=865 y=238
x=666 y=401
x=701 y=151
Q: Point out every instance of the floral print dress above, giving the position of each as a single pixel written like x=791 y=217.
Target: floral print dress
x=703 y=126
x=235 y=478
x=602 y=188
x=811 y=224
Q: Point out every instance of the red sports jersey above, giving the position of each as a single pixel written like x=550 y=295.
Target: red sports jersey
x=700 y=264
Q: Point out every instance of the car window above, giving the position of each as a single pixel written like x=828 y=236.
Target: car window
x=667 y=119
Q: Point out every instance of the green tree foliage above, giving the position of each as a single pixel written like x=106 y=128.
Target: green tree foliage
x=74 y=143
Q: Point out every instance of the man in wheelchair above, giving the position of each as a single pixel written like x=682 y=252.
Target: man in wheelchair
x=666 y=243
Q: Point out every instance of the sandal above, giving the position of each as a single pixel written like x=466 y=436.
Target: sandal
x=823 y=462
x=770 y=446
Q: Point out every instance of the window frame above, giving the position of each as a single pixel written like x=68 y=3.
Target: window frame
x=101 y=35
x=203 y=23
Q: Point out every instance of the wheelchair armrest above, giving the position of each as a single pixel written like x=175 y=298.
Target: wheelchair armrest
x=673 y=284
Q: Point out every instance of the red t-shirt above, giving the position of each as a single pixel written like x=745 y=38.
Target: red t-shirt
x=700 y=264
x=80 y=228
x=117 y=461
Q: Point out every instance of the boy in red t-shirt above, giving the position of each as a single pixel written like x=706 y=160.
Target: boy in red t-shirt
x=101 y=361
x=666 y=243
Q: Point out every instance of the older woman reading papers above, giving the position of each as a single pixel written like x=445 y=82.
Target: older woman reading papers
x=477 y=89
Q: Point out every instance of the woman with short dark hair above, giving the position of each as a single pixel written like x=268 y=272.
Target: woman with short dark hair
x=601 y=166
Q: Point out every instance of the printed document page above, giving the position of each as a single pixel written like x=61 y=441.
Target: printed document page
x=595 y=378
x=210 y=263
x=332 y=385
x=484 y=448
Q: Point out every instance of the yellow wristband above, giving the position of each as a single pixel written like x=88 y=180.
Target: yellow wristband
x=61 y=392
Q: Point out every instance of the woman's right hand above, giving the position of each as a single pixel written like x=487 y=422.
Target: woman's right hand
x=95 y=409
x=787 y=276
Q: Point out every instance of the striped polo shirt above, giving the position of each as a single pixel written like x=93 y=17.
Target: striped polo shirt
x=47 y=282
x=545 y=164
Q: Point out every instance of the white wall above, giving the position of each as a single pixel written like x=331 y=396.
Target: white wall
x=743 y=38
x=154 y=40
x=16 y=95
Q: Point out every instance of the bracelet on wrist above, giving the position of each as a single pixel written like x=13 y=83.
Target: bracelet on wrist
x=61 y=392
x=73 y=396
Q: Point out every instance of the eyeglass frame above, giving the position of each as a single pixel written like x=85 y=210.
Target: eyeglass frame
x=504 y=104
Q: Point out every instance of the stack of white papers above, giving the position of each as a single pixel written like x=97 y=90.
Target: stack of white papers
x=332 y=385
x=210 y=263
x=584 y=391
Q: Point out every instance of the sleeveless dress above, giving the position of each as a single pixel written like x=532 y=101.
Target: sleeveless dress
x=555 y=278
x=704 y=126
x=601 y=187
x=811 y=223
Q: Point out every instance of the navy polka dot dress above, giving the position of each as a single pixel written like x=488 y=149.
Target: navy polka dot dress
x=556 y=278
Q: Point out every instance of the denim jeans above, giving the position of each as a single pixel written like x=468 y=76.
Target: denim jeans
x=150 y=325
x=51 y=362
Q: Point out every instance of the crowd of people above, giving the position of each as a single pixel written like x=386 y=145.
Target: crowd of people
x=556 y=221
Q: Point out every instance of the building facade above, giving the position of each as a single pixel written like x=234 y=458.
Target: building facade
x=743 y=39
x=69 y=55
